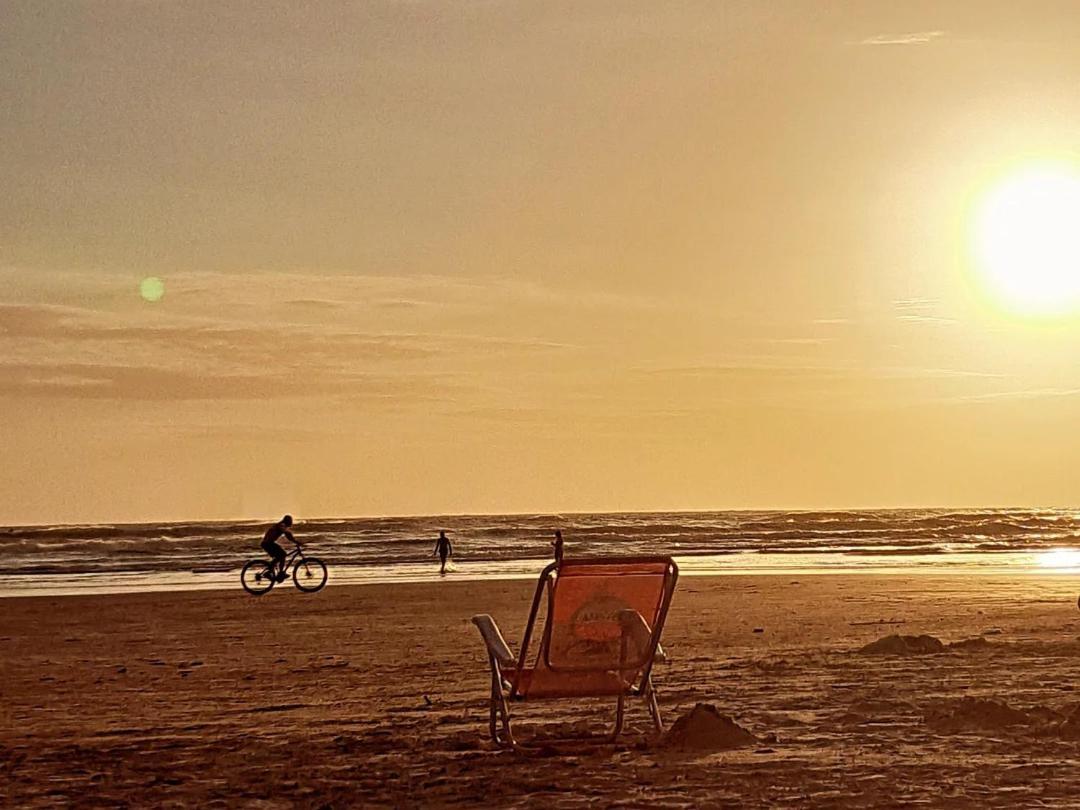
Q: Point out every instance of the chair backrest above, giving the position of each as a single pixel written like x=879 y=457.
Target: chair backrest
x=604 y=614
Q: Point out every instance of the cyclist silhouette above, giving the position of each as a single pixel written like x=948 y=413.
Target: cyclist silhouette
x=270 y=546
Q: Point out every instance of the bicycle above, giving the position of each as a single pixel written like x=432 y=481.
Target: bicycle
x=308 y=573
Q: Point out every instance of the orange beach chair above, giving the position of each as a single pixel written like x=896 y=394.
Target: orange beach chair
x=602 y=626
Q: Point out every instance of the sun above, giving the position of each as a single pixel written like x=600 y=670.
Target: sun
x=1026 y=240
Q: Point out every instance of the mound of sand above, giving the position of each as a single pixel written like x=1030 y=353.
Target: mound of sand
x=977 y=714
x=921 y=645
x=703 y=728
x=972 y=644
x=903 y=645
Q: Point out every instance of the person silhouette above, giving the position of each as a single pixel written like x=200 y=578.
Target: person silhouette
x=558 y=543
x=444 y=550
x=276 y=552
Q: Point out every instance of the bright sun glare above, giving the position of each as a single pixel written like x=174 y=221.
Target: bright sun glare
x=1027 y=240
x=1059 y=558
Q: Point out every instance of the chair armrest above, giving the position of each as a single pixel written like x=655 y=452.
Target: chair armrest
x=496 y=644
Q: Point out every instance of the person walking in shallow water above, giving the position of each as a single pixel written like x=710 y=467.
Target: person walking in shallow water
x=558 y=544
x=444 y=550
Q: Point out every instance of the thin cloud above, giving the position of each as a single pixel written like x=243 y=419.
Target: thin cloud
x=922 y=311
x=929 y=319
x=816 y=372
x=314 y=303
x=1040 y=393
x=135 y=383
x=797 y=341
x=913 y=38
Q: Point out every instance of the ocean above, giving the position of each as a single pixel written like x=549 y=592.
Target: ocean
x=167 y=556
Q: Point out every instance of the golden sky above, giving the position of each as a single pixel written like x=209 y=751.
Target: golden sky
x=427 y=256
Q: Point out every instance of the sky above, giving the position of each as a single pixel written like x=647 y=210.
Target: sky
x=423 y=257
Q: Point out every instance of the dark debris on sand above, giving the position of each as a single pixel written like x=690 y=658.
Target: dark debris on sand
x=974 y=715
x=903 y=645
x=920 y=645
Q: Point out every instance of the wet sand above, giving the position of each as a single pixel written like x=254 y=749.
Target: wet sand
x=375 y=695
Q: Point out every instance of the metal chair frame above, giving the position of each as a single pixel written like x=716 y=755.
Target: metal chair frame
x=506 y=687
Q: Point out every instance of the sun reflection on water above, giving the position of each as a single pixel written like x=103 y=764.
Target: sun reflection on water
x=1059 y=558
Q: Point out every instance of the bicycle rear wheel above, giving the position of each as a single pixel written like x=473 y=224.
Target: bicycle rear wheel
x=309 y=575
x=256 y=577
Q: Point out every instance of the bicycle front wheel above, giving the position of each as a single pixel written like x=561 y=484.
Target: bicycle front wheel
x=256 y=577
x=309 y=575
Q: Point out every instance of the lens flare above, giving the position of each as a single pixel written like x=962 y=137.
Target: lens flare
x=152 y=289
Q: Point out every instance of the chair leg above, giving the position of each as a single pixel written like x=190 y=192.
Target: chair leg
x=654 y=707
x=493 y=705
x=499 y=712
x=620 y=712
x=507 y=738
x=504 y=736
x=492 y=728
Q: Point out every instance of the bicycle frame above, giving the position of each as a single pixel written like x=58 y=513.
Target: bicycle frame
x=292 y=557
x=295 y=556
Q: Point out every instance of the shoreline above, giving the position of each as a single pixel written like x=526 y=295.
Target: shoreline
x=722 y=565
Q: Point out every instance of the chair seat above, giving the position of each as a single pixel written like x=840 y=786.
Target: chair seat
x=537 y=683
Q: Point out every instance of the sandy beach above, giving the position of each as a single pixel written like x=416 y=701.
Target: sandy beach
x=376 y=696
x=783 y=294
